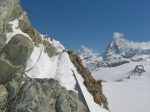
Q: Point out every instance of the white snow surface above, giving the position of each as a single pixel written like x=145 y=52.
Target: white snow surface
x=43 y=66
x=15 y=30
x=140 y=57
x=128 y=95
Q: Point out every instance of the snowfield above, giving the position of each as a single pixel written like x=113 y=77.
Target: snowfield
x=132 y=96
x=126 y=95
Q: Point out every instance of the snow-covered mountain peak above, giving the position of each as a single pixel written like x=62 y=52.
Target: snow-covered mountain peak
x=118 y=40
x=119 y=51
x=121 y=42
x=89 y=58
x=120 y=48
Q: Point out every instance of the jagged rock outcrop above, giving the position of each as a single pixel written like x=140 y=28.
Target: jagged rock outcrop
x=138 y=70
x=93 y=86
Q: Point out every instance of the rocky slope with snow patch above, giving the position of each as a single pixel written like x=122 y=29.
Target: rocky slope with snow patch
x=36 y=72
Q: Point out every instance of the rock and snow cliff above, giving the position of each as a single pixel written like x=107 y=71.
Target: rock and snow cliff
x=36 y=72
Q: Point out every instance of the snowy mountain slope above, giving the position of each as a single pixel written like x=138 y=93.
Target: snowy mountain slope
x=133 y=94
x=119 y=72
x=89 y=58
x=127 y=89
x=130 y=92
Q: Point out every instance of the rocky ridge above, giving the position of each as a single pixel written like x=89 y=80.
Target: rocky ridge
x=19 y=92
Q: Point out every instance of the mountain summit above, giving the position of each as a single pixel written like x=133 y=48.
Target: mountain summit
x=118 y=52
x=121 y=50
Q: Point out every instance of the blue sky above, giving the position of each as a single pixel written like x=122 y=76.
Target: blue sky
x=90 y=22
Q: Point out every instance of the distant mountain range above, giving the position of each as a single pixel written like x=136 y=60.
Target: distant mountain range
x=124 y=69
x=118 y=52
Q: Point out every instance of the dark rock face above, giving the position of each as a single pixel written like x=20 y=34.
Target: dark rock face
x=93 y=86
x=6 y=71
x=18 y=50
x=2 y=41
x=45 y=95
x=138 y=70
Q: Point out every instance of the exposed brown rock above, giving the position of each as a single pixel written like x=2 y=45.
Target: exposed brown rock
x=93 y=86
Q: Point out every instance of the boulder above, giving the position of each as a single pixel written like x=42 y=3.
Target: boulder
x=18 y=50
